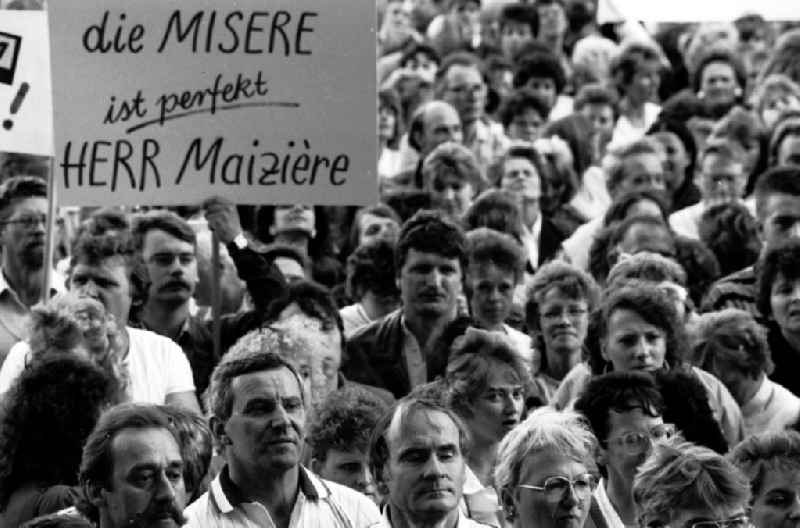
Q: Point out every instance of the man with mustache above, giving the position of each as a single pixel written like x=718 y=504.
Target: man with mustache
x=167 y=245
x=23 y=223
x=393 y=352
x=417 y=455
x=131 y=473
x=258 y=402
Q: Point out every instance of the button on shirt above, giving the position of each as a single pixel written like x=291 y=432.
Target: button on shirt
x=319 y=504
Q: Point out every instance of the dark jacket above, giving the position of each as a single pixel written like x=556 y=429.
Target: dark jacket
x=375 y=357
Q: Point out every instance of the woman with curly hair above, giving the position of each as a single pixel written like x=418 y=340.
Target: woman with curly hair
x=44 y=421
x=638 y=328
x=681 y=484
x=69 y=324
x=560 y=299
x=485 y=380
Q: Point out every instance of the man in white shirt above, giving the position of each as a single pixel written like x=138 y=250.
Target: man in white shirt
x=258 y=403
x=722 y=180
x=103 y=267
x=417 y=455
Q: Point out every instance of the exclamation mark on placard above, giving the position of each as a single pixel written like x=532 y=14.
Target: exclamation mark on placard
x=16 y=103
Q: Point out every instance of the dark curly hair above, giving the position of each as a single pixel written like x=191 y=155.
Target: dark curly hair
x=716 y=54
x=731 y=233
x=487 y=246
x=783 y=260
x=649 y=303
x=624 y=66
x=371 y=268
x=540 y=65
x=686 y=405
x=520 y=101
x=314 y=300
x=431 y=232
x=345 y=421
x=619 y=392
x=19 y=188
x=45 y=419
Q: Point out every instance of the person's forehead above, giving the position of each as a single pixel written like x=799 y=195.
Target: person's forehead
x=502 y=376
x=643 y=161
x=31 y=204
x=720 y=163
x=273 y=383
x=440 y=113
x=464 y=73
x=555 y=294
x=781 y=476
x=791 y=141
x=781 y=204
x=415 y=256
x=632 y=419
x=289 y=267
x=344 y=456
x=159 y=240
x=491 y=272
x=543 y=463
x=423 y=428
x=146 y=446
x=717 y=68
x=111 y=266
x=369 y=219
x=626 y=319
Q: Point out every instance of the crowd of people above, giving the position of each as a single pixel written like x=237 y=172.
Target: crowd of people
x=575 y=304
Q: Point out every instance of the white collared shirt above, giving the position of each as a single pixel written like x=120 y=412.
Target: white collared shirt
x=320 y=503
x=530 y=239
x=686 y=221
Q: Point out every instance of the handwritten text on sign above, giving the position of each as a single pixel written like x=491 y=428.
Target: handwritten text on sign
x=265 y=102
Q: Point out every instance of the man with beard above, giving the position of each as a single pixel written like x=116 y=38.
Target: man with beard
x=23 y=223
x=258 y=403
x=624 y=410
x=417 y=454
x=131 y=472
x=393 y=352
x=167 y=245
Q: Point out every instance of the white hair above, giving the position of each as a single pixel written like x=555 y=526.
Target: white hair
x=565 y=432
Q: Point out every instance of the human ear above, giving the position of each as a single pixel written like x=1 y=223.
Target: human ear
x=509 y=504
x=218 y=428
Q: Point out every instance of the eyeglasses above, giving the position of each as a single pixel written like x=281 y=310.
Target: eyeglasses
x=742 y=521
x=636 y=442
x=555 y=488
x=572 y=313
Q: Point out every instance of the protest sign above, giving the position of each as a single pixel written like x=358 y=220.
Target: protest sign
x=26 y=105
x=163 y=102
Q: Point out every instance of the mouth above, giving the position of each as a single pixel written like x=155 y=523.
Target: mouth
x=510 y=423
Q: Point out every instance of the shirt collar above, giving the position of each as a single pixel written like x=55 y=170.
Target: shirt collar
x=228 y=495
x=56 y=283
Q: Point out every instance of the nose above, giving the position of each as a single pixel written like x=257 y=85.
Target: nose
x=88 y=289
x=794 y=231
x=570 y=498
x=364 y=482
x=794 y=510
x=433 y=467
x=456 y=135
x=642 y=349
x=165 y=491
x=509 y=409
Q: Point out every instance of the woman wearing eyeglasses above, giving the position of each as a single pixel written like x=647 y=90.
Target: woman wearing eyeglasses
x=546 y=471
x=638 y=329
x=682 y=485
x=560 y=299
x=772 y=463
x=625 y=410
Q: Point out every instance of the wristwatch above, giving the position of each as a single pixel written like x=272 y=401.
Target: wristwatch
x=240 y=241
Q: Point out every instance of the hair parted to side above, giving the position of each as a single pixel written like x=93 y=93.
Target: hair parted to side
x=760 y=454
x=545 y=429
x=391 y=424
x=680 y=476
x=97 y=462
x=257 y=351
x=473 y=357
x=732 y=338
x=487 y=246
x=649 y=267
x=161 y=220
